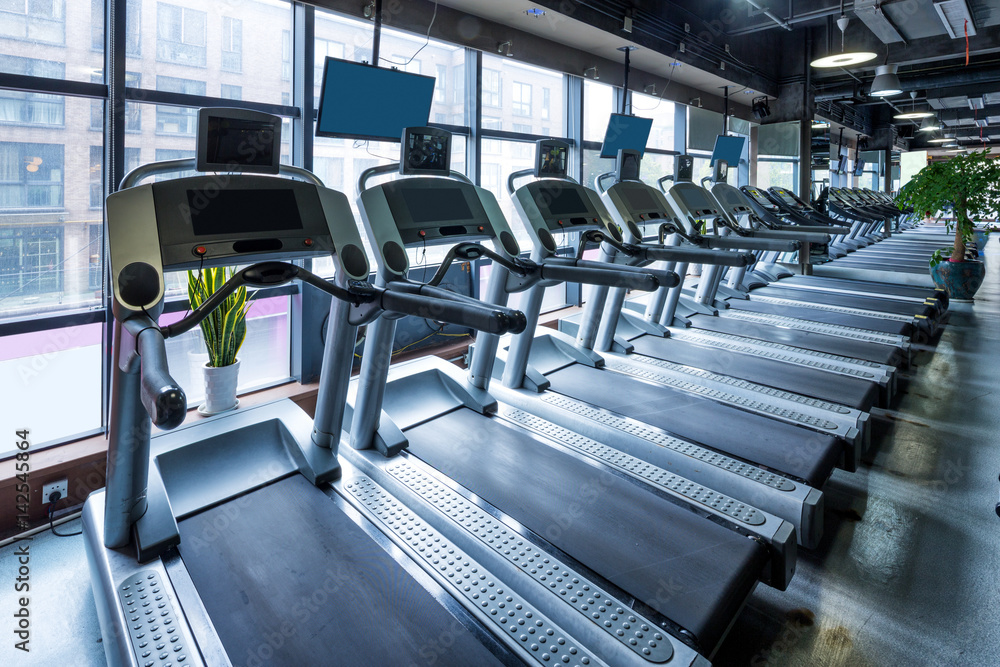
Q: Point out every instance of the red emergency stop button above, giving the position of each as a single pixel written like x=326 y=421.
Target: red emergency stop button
x=200 y=250
x=307 y=243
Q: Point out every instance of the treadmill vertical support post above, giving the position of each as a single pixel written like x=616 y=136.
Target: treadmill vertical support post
x=595 y=305
x=520 y=347
x=128 y=444
x=371 y=385
x=485 y=355
x=335 y=374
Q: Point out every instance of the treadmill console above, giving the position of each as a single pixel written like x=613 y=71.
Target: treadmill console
x=695 y=200
x=639 y=204
x=252 y=219
x=238 y=140
x=720 y=172
x=627 y=164
x=432 y=211
x=760 y=198
x=787 y=198
x=731 y=199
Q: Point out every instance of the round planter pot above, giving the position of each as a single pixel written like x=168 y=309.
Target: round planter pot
x=961 y=279
x=220 y=388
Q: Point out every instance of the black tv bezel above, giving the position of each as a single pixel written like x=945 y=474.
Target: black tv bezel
x=364 y=137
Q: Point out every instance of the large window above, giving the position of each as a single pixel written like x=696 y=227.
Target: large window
x=181 y=35
x=775 y=173
x=510 y=92
x=31 y=108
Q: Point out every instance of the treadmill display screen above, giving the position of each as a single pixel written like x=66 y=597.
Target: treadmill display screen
x=235 y=212
x=564 y=201
x=760 y=197
x=787 y=198
x=695 y=199
x=239 y=141
x=437 y=205
x=640 y=199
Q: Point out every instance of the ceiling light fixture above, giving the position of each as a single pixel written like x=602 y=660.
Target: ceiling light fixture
x=930 y=125
x=940 y=140
x=913 y=114
x=844 y=58
x=759 y=107
x=886 y=83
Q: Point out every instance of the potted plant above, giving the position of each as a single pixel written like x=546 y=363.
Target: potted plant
x=224 y=331
x=969 y=187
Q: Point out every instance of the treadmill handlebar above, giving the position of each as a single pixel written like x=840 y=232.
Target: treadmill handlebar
x=160 y=394
x=481 y=317
x=749 y=243
x=697 y=256
x=609 y=275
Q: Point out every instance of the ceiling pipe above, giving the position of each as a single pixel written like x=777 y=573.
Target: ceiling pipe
x=767 y=12
x=945 y=79
x=795 y=19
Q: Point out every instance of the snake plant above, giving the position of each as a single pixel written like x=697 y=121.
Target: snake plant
x=225 y=328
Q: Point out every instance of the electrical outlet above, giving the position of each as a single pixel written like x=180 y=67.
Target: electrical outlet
x=60 y=485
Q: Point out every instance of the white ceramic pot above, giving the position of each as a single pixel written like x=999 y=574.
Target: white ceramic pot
x=220 y=388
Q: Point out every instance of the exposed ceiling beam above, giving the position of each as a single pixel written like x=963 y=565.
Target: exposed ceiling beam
x=794 y=19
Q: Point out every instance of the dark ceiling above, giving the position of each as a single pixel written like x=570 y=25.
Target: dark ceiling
x=767 y=43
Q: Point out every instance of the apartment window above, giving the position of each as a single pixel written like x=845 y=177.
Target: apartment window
x=30 y=259
x=324 y=48
x=31 y=108
x=546 y=101
x=232 y=44
x=33 y=20
x=458 y=85
x=522 y=99
x=181 y=35
x=439 y=84
x=96 y=180
x=31 y=175
x=230 y=92
x=177 y=120
x=286 y=55
x=491 y=88
x=95 y=242
x=522 y=149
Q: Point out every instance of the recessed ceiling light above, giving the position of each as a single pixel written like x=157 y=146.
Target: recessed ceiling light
x=844 y=59
x=535 y=12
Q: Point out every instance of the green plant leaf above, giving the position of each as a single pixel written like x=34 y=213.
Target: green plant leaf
x=224 y=329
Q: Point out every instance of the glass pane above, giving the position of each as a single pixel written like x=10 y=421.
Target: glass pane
x=59 y=367
x=443 y=61
x=654 y=167
x=51 y=192
x=598 y=105
x=661 y=135
x=500 y=158
x=776 y=174
x=522 y=98
x=264 y=357
x=223 y=47
x=594 y=166
x=30 y=28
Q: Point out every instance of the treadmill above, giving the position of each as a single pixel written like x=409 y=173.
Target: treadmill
x=787 y=202
x=668 y=548
x=552 y=377
x=233 y=539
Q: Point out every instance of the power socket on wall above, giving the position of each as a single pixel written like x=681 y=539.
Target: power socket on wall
x=61 y=486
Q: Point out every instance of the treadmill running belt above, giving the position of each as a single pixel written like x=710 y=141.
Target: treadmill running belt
x=848 y=300
x=827 y=316
x=693 y=571
x=852 y=392
x=807 y=340
x=802 y=454
x=289 y=571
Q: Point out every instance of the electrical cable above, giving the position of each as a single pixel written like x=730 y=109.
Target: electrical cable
x=428 y=41
x=53 y=499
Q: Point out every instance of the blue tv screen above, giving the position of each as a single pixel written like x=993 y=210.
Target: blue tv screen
x=729 y=149
x=628 y=132
x=359 y=101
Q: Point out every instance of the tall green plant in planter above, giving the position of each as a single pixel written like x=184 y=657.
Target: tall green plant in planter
x=224 y=331
x=968 y=186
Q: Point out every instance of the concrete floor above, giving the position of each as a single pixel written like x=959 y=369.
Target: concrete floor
x=908 y=573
